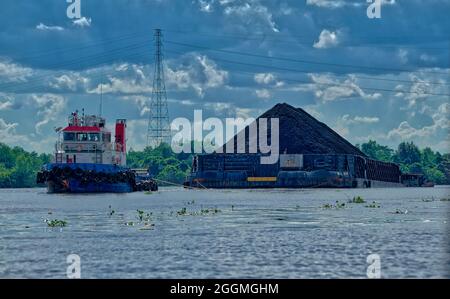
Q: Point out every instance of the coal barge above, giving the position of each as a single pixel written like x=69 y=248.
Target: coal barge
x=86 y=161
x=313 y=156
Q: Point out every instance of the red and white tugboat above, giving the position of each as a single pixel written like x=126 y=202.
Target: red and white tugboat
x=86 y=160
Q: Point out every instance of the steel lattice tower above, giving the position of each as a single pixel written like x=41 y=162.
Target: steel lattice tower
x=158 y=121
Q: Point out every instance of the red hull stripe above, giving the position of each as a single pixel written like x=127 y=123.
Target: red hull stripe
x=81 y=129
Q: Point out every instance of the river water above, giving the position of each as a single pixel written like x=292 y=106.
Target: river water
x=227 y=233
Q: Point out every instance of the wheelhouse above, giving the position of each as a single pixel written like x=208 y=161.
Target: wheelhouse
x=87 y=140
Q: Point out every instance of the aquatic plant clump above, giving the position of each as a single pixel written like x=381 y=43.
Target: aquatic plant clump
x=338 y=205
x=373 y=205
x=56 y=223
x=202 y=212
x=182 y=212
x=142 y=216
x=357 y=199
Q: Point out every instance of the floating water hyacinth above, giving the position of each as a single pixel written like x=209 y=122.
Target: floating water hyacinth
x=357 y=199
x=111 y=211
x=373 y=205
x=181 y=212
x=142 y=216
x=338 y=205
x=202 y=212
x=56 y=223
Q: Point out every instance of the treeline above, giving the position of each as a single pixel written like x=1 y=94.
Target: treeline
x=433 y=165
x=163 y=163
x=18 y=168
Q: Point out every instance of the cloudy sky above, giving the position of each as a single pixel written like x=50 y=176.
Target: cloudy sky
x=385 y=79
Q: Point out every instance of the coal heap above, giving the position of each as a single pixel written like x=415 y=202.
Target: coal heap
x=300 y=133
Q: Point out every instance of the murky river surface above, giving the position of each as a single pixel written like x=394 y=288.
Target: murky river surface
x=227 y=233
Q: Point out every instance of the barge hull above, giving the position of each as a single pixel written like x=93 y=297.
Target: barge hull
x=294 y=171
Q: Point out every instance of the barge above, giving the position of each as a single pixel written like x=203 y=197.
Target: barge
x=313 y=156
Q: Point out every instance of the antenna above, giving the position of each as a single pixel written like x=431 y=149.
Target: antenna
x=158 y=123
x=101 y=99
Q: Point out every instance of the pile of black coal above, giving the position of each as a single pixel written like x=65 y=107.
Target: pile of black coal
x=300 y=133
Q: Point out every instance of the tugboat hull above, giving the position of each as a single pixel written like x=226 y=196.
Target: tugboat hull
x=92 y=178
x=75 y=186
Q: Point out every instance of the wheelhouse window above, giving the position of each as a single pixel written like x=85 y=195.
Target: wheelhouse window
x=69 y=136
x=94 y=137
x=82 y=137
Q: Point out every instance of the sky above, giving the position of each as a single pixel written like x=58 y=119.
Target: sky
x=386 y=79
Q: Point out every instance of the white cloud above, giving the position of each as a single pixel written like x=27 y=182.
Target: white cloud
x=5 y=105
x=218 y=106
x=10 y=136
x=267 y=78
x=8 y=133
x=403 y=55
x=253 y=14
x=6 y=128
x=262 y=93
x=206 y=6
x=82 y=22
x=6 y=102
x=427 y=58
x=407 y=132
x=343 y=123
x=214 y=76
x=142 y=103
x=327 y=39
x=264 y=78
x=126 y=79
x=343 y=3
x=331 y=3
x=44 y=27
x=325 y=88
x=359 y=119
x=12 y=72
x=135 y=139
x=69 y=81
x=201 y=73
x=49 y=107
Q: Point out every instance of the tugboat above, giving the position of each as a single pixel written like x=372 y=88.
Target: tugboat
x=86 y=161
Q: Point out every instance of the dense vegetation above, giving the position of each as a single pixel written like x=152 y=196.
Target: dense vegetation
x=163 y=163
x=435 y=166
x=18 y=168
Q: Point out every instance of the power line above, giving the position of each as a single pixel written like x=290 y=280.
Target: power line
x=308 y=72
x=138 y=45
x=100 y=57
x=322 y=84
x=96 y=58
x=42 y=53
x=298 y=60
x=308 y=38
x=27 y=86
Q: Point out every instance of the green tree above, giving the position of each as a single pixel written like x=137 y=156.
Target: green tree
x=162 y=162
x=407 y=153
x=375 y=151
x=435 y=175
x=18 y=168
x=429 y=157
